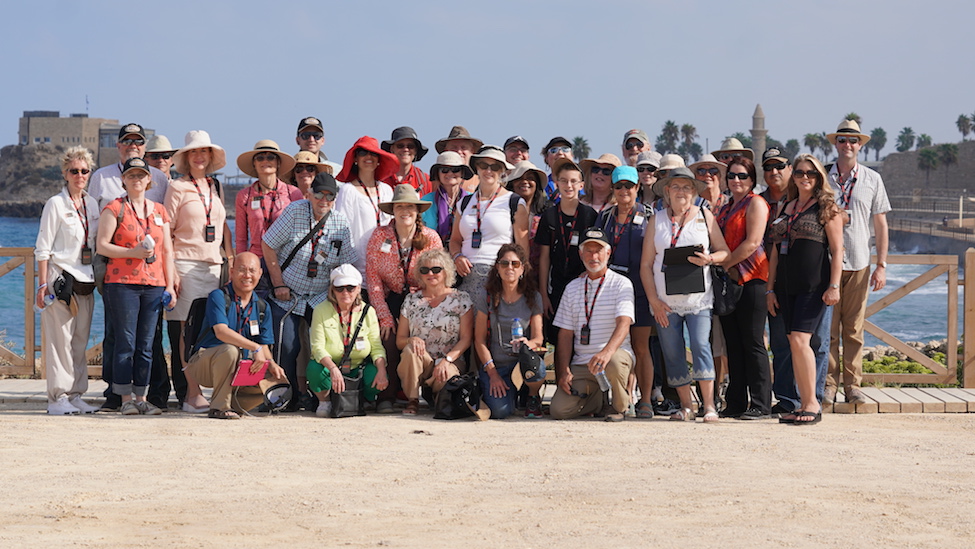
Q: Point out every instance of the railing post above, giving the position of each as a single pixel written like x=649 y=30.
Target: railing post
x=968 y=363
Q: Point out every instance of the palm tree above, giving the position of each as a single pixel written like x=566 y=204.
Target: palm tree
x=948 y=155
x=927 y=160
x=825 y=146
x=668 y=138
x=811 y=141
x=855 y=117
x=746 y=140
x=878 y=138
x=688 y=134
x=692 y=152
x=923 y=140
x=580 y=148
x=964 y=124
x=791 y=148
x=905 y=140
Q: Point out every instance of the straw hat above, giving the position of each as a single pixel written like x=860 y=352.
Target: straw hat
x=246 y=160
x=450 y=159
x=199 y=139
x=306 y=157
x=405 y=194
x=671 y=161
x=524 y=167
x=678 y=173
x=492 y=152
x=651 y=158
x=159 y=144
x=606 y=158
x=733 y=145
x=709 y=161
x=457 y=132
x=848 y=128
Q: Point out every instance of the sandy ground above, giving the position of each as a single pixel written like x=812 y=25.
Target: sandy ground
x=298 y=481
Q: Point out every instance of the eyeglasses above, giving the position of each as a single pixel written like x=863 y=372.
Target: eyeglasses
x=516 y=148
x=800 y=174
x=597 y=170
x=82 y=171
x=159 y=156
x=851 y=140
x=265 y=157
x=405 y=145
x=139 y=142
x=504 y=263
x=740 y=176
x=557 y=150
x=428 y=270
x=326 y=196
x=452 y=169
x=728 y=156
x=646 y=169
x=305 y=168
x=777 y=166
x=311 y=135
x=634 y=144
x=493 y=166
x=708 y=171
x=623 y=185
x=681 y=189
x=344 y=289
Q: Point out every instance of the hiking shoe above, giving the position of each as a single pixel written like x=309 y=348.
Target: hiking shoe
x=384 y=407
x=324 y=409
x=62 y=407
x=129 y=408
x=534 y=408
x=112 y=403
x=855 y=396
x=81 y=405
x=666 y=408
x=754 y=413
x=829 y=396
x=147 y=408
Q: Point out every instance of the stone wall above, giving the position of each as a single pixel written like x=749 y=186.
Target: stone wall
x=902 y=176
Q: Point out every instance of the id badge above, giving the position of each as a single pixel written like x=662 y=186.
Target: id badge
x=638 y=219
x=86 y=256
x=584 y=335
x=574 y=239
x=360 y=344
x=210 y=234
x=386 y=247
x=159 y=221
x=256 y=204
x=784 y=247
x=320 y=257
x=476 y=239
x=254 y=328
x=312 y=269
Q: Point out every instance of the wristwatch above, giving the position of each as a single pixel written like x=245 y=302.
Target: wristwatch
x=448 y=359
x=836 y=286
x=882 y=264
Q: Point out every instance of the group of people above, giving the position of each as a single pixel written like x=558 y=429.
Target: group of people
x=374 y=267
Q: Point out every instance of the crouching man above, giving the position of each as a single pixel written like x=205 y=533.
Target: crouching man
x=236 y=327
x=594 y=318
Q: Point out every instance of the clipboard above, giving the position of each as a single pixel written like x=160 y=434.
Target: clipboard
x=680 y=275
x=244 y=377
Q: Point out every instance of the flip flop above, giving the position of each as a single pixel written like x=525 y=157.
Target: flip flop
x=816 y=418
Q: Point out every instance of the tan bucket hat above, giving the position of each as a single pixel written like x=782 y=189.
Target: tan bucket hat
x=849 y=128
x=159 y=144
x=450 y=159
x=307 y=157
x=606 y=158
x=678 y=173
x=246 y=160
x=709 y=161
x=524 y=167
x=732 y=145
x=199 y=139
x=404 y=194
x=457 y=132
x=492 y=152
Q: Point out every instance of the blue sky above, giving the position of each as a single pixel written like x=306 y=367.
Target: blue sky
x=247 y=70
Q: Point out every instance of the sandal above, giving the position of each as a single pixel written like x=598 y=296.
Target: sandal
x=644 y=410
x=816 y=418
x=711 y=416
x=412 y=407
x=684 y=414
x=223 y=414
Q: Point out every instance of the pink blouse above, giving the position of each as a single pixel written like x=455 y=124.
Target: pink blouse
x=256 y=211
x=385 y=269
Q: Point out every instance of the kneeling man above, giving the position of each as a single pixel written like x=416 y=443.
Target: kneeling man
x=594 y=319
x=235 y=328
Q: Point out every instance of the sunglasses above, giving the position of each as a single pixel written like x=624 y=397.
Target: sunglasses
x=597 y=170
x=708 y=171
x=160 y=156
x=405 y=145
x=454 y=169
x=850 y=140
x=305 y=168
x=428 y=270
x=777 y=166
x=344 y=289
x=362 y=152
x=800 y=174
x=494 y=166
x=311 y=135
x=265 y=157
x=623 y=185
x=633 y=144
x=728 y=156
x=514 y=263
x=326 y=196
x=646 y=169
x=82 y=171
x=739 y=176
x=139 y=142
x=557 y=150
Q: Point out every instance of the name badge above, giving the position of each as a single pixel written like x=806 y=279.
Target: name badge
x=360 y=344
x=476 y=239
x=86 y=255
x=574 y=239
x=584 y=335
x=255 y=329
x=386 y=247
x=158 y=220
x=209 y=232
x=320 y=257
x=256 y=204
x=69 y=215
x=638 y=219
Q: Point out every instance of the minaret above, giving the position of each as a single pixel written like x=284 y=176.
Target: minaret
x=758 y=131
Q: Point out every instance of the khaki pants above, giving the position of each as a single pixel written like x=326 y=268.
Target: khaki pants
x=416 y=369
x=567 y=406
x=848 y=317
x=65 y=343
x=215 y=367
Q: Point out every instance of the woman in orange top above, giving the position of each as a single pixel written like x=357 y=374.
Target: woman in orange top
x=743 y=220
x=140 y=269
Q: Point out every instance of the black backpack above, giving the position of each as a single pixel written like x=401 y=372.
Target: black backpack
x=192 y=329
x=512 y=204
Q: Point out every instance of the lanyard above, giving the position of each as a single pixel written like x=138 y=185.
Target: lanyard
x=797 y=212
x=83 y=216
x=347 y=337
x=243 y=317
x=589 y=310
x=266 y=214
x=145 y=205
x=567 y=235
x=207 y=206
x=676 y=229
x=375 y=205
x=404 y=261
x=477 y=206
x=318 y=235
x=847 y=186
x=618 y=228
x=730 y=208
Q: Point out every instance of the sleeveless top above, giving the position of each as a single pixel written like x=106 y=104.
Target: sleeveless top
x=695 y=232
x=805 y=265
x=732 y=219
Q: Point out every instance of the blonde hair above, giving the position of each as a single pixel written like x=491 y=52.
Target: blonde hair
x=77 y=153
x=439 y=257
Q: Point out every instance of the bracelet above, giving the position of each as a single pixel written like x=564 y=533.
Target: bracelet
x=42 y=286
x=276 y=287
x=486 y=364
x=835 y=286
x=770 y=292
x=458 y=254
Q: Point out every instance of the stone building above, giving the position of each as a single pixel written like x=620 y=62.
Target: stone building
x=49 y=127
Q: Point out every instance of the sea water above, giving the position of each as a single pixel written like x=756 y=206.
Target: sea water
x=920 y=316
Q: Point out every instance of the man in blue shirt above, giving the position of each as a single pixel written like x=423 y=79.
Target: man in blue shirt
x=235 y=329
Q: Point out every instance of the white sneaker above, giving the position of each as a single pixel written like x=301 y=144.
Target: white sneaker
x=324 y=409
x=81 y=405
x=61 y=407
x=147 y=408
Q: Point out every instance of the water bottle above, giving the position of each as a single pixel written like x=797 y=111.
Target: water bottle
x=603 y=381
x=167 y=298
x=517 y=331
x=48 y=299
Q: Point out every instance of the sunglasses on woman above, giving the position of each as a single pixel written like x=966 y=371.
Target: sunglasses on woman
x=623 y=185
x=597 y=170
x=493 y=166
x=799 y=174
x=740 y=176
x=82 y=171
x=708 y=171
x=265 y=157
x=453 y=169
x=344 y=289
x=428 y=270
x=504 y=263
x=646 y=169
x=300 y=168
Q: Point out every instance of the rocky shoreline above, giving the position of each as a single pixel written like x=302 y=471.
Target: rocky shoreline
x=928 y=348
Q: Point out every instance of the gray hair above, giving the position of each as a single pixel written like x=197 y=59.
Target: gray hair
x=439 y=257
x=77 y=153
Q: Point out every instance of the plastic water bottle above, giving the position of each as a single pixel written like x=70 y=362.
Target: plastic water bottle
x=603 y=381
x=48 y=299
x=167 y=298
x=517 y=331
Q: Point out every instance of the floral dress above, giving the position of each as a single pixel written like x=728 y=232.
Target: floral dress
x=438 y=326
